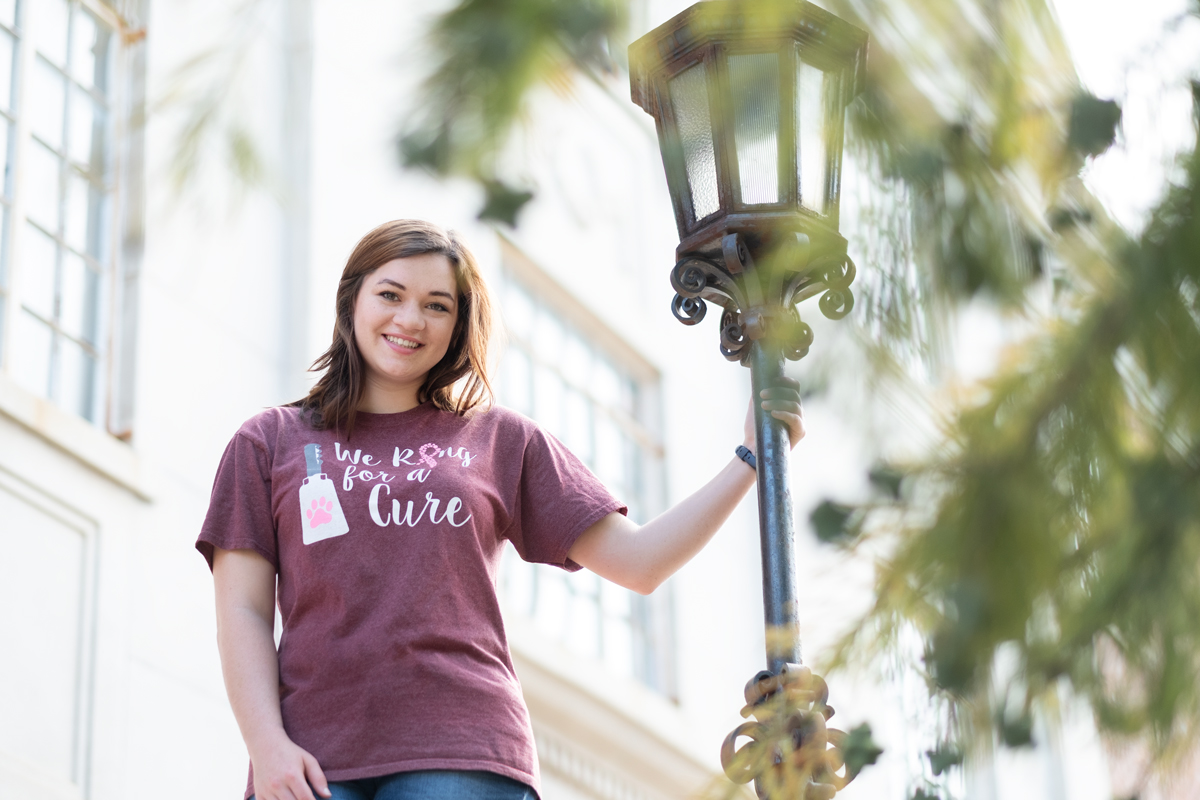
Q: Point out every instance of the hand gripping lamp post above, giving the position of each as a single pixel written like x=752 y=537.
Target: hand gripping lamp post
x=749 y=98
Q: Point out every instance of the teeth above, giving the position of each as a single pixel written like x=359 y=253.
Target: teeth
x=402 y=342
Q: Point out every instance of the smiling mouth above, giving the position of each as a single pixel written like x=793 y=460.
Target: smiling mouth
x=400 y=341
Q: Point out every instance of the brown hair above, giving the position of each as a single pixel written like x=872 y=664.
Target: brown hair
x=333 y=401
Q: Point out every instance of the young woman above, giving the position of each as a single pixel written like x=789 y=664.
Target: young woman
x=374 y=512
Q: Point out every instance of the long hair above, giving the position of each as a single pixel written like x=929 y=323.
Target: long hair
x=457 y=383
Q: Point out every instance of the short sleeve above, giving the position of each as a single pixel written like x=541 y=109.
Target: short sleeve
x=239 y=511
x=559 y=498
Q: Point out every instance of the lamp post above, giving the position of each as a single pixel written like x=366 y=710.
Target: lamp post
x=749 y=99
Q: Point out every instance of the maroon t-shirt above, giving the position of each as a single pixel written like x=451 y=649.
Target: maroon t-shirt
x=393 y=655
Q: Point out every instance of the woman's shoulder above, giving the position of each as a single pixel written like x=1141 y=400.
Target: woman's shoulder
x=501 y=417
x=268 y=425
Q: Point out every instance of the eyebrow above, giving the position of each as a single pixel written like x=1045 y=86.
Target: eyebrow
x=401 y=286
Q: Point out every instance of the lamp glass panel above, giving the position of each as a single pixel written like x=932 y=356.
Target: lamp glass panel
x=754 y=92
x=689 y=99
x=811 y=155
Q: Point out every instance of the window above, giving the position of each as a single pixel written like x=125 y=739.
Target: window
x=566 y=370
x=59 y=79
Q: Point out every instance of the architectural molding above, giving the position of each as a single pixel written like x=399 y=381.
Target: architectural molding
x=74 y=436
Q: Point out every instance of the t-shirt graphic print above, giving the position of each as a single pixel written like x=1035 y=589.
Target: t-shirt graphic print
x=322 y=513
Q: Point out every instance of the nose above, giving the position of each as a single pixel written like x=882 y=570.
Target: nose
x=408 y=316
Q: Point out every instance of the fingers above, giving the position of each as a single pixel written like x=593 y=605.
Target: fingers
x=783 y=402
x=784 y=397
x=315 y=777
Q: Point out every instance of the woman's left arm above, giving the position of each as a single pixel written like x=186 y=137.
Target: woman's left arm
x=642 y=557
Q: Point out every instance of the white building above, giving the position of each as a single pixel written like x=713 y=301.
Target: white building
x=140 y=325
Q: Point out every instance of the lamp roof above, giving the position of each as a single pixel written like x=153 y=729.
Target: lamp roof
x=712 y=21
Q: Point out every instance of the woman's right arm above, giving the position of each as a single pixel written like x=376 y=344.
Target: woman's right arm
x=245 y=588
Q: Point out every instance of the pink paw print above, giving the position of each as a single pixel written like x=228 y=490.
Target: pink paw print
x=320 y=513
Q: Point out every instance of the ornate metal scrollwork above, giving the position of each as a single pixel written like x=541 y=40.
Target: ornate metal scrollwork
x=688 y=310
x=791 y=752
x=733 y=339
x=838 y=300
x=698 y=280
x=739 y=289
x=797 y=336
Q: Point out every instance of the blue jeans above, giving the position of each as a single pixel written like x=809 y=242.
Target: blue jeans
x=432 y=785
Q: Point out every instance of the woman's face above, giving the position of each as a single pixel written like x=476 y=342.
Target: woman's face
x=404 y=318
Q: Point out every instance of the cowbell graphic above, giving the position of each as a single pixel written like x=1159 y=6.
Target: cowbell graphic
x=321 y=514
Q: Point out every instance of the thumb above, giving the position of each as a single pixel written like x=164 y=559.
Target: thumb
x=315 y=777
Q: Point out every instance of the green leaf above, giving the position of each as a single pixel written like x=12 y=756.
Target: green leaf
x=1093 y=125
x=860 y=749
x=829 y=520
x=886 y=479
x=1016 y=732
x=944 y=758
x=921 y=794
x=503 y=203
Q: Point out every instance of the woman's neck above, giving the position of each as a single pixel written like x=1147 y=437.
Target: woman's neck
x=381 y=399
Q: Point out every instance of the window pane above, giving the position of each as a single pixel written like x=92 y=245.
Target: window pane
x=5 y=222
x=51 y=27
x=86 y=135
x=754 y=89
x=548 y=337
x=31 y=361
x=41 y=186
x=517 y=580
x=8 y=12
x=606 y=384
x=83 y=46
x=810 y=136
x=85 y=221
x=75 y=379
x=608 y=453
x=548 y=401
x=578 y=425
x=515 y=381
x=6 y=158
x=46 y=102
x=78 y=298
x=583 y=632
x=689 y=99
x=519 y=311
x=553 y=602
x=577 y=361
x=76 y=229
x=38 y=268
x=7 y=53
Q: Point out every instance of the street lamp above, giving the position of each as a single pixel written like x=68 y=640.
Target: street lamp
x=749 y=100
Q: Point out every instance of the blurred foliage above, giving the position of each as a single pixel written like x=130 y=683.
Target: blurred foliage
x=203 y=91
x=1053 y=538
x=489 y=55
x=943 y=759
x=860 y=749
x=1058 y=525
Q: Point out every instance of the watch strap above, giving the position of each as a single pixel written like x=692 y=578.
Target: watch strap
x=744 y=454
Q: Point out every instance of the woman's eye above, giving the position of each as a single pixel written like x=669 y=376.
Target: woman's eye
x=389 y=295
x=438 y=307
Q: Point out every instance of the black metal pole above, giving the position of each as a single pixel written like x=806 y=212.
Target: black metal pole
x=775 y=514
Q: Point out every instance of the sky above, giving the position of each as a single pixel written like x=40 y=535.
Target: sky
x=1127 y=52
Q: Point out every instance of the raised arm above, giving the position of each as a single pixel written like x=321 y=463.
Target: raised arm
x=245 y=588
x=642 y=557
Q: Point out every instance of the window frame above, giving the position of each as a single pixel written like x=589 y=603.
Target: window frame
x=114 y=303
x=650 y=618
